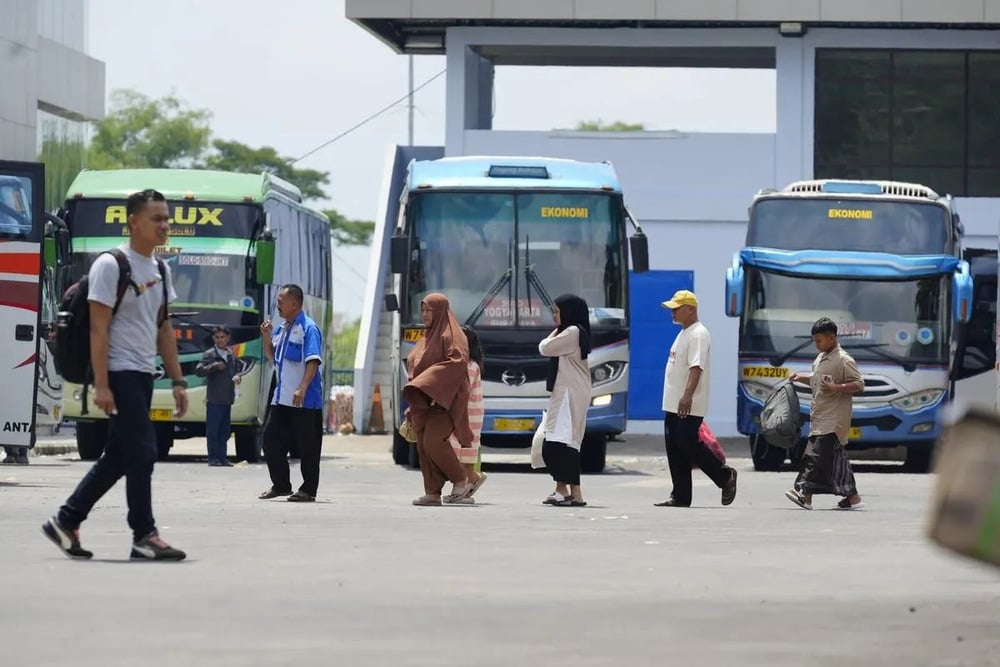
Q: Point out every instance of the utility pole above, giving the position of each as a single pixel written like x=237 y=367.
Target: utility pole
x=410 y=101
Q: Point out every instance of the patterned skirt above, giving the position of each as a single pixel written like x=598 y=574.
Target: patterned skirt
x=826 y=468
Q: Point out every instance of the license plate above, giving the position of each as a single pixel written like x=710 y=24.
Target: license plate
x=779 y=373
x=161 y=414
x=854 y=433
x=413 y=335
x=501 y=424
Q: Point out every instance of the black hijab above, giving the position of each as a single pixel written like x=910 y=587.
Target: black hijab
x=573 y=312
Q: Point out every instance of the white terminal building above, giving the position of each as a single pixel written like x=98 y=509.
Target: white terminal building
x=901 y=90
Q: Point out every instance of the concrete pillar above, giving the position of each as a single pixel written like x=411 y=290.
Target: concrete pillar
x=793 y=139
x=469 y=93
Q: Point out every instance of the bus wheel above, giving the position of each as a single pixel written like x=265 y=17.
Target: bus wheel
x=593 y=453
x=766 y=458
x=90 y=439
x=918 y=457
x=164 y=440
x=400 y=450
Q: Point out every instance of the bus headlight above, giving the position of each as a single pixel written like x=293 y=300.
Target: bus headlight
x=609 y=371
x=917 y=400
x=757 y=390
x=601 y=401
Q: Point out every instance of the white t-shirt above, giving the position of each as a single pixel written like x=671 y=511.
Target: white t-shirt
x=691 y=348
x=132 y=343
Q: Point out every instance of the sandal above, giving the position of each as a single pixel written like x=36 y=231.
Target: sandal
x=458 y=499
x=271 y=493
x=427 y=501
x=476 y=485
x=577 y=503
x=554 y=498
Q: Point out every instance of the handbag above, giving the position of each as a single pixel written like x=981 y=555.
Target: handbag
x=407 y=431
x=537 y=441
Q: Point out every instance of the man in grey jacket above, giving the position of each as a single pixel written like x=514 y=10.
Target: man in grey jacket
x=218 y=365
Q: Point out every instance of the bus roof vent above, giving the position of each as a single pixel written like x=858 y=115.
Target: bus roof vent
x=805 y=186
x=907 y=190
x=864 y=187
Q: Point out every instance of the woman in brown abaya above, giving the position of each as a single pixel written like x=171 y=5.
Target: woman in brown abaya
x=438 y=396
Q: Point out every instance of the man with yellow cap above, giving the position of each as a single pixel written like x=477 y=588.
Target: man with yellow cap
x=685 y=402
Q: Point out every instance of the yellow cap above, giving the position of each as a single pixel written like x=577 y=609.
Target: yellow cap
x=681 y=298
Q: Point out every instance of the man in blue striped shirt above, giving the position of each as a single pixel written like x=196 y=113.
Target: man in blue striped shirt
x=295 y=346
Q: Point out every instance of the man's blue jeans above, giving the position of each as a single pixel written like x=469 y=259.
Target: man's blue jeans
x=130 y=451
x=217 y=430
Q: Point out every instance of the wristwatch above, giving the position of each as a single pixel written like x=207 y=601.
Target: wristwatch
x=180 y=383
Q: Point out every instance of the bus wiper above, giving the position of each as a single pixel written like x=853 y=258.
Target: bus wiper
x=531 y=278
x=907 y=365
x=780 y=359
x=498 y=285
x=183 y=317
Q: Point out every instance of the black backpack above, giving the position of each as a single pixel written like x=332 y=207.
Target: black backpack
x=70 y=343
x=781 y=417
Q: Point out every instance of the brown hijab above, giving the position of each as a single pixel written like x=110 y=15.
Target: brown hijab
x=438 y=368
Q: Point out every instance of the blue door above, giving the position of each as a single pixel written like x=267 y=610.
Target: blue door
x=652 y=334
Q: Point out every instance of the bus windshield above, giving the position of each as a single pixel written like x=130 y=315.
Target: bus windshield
x=901 y=228
x=488 y=251
x=878 y=320
x=15 y=206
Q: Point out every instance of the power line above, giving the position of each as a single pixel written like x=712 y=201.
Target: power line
x=349 y=267
x=370 y=118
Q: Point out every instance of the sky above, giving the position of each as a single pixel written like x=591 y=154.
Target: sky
x=293 y=79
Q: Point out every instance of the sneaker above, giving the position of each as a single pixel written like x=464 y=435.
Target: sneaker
x=845 y=504
x=798 y=499
x=67 y=540
x=152 y=547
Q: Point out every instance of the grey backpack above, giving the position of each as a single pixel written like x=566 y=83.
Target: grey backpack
x=781 y=418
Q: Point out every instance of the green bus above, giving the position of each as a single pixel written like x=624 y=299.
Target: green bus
x=234 y=240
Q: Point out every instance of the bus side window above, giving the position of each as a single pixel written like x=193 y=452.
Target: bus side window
x=978 y=347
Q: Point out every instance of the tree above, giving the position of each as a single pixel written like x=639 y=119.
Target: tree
x=349 y=232
x=165 y=133
x=345 y=344
x=140 y=132
x=234 y=156
x=617 y=126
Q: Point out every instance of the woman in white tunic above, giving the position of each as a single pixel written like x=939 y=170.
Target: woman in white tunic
x=569 y=383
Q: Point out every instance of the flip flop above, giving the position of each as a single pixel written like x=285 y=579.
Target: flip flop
x=425 y=501
x=475 y=485
x=577 y=503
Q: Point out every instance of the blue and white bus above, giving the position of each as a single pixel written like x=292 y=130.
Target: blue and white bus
x=883 y=260
x=502 y=237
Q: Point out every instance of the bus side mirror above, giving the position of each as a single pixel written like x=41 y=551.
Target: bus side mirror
x=399 y=252
x=264 y=261
x=961 y=287
x=639 y=247
x=49 y=251
x=734 y=287
x=391 y=303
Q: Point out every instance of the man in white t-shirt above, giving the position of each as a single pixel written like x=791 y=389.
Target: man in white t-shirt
x=685 y=402
x=124 y=341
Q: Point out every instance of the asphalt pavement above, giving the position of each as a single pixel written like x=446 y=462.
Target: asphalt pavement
x=361 y=577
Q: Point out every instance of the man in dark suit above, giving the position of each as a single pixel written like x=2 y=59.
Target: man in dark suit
x=218 y=365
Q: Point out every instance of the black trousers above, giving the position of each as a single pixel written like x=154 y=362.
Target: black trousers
x=130 y=452
x=562 y=462
x=303 y=427
x=684 y=450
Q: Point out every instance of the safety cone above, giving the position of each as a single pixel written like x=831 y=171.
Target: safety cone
x=376 y=422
